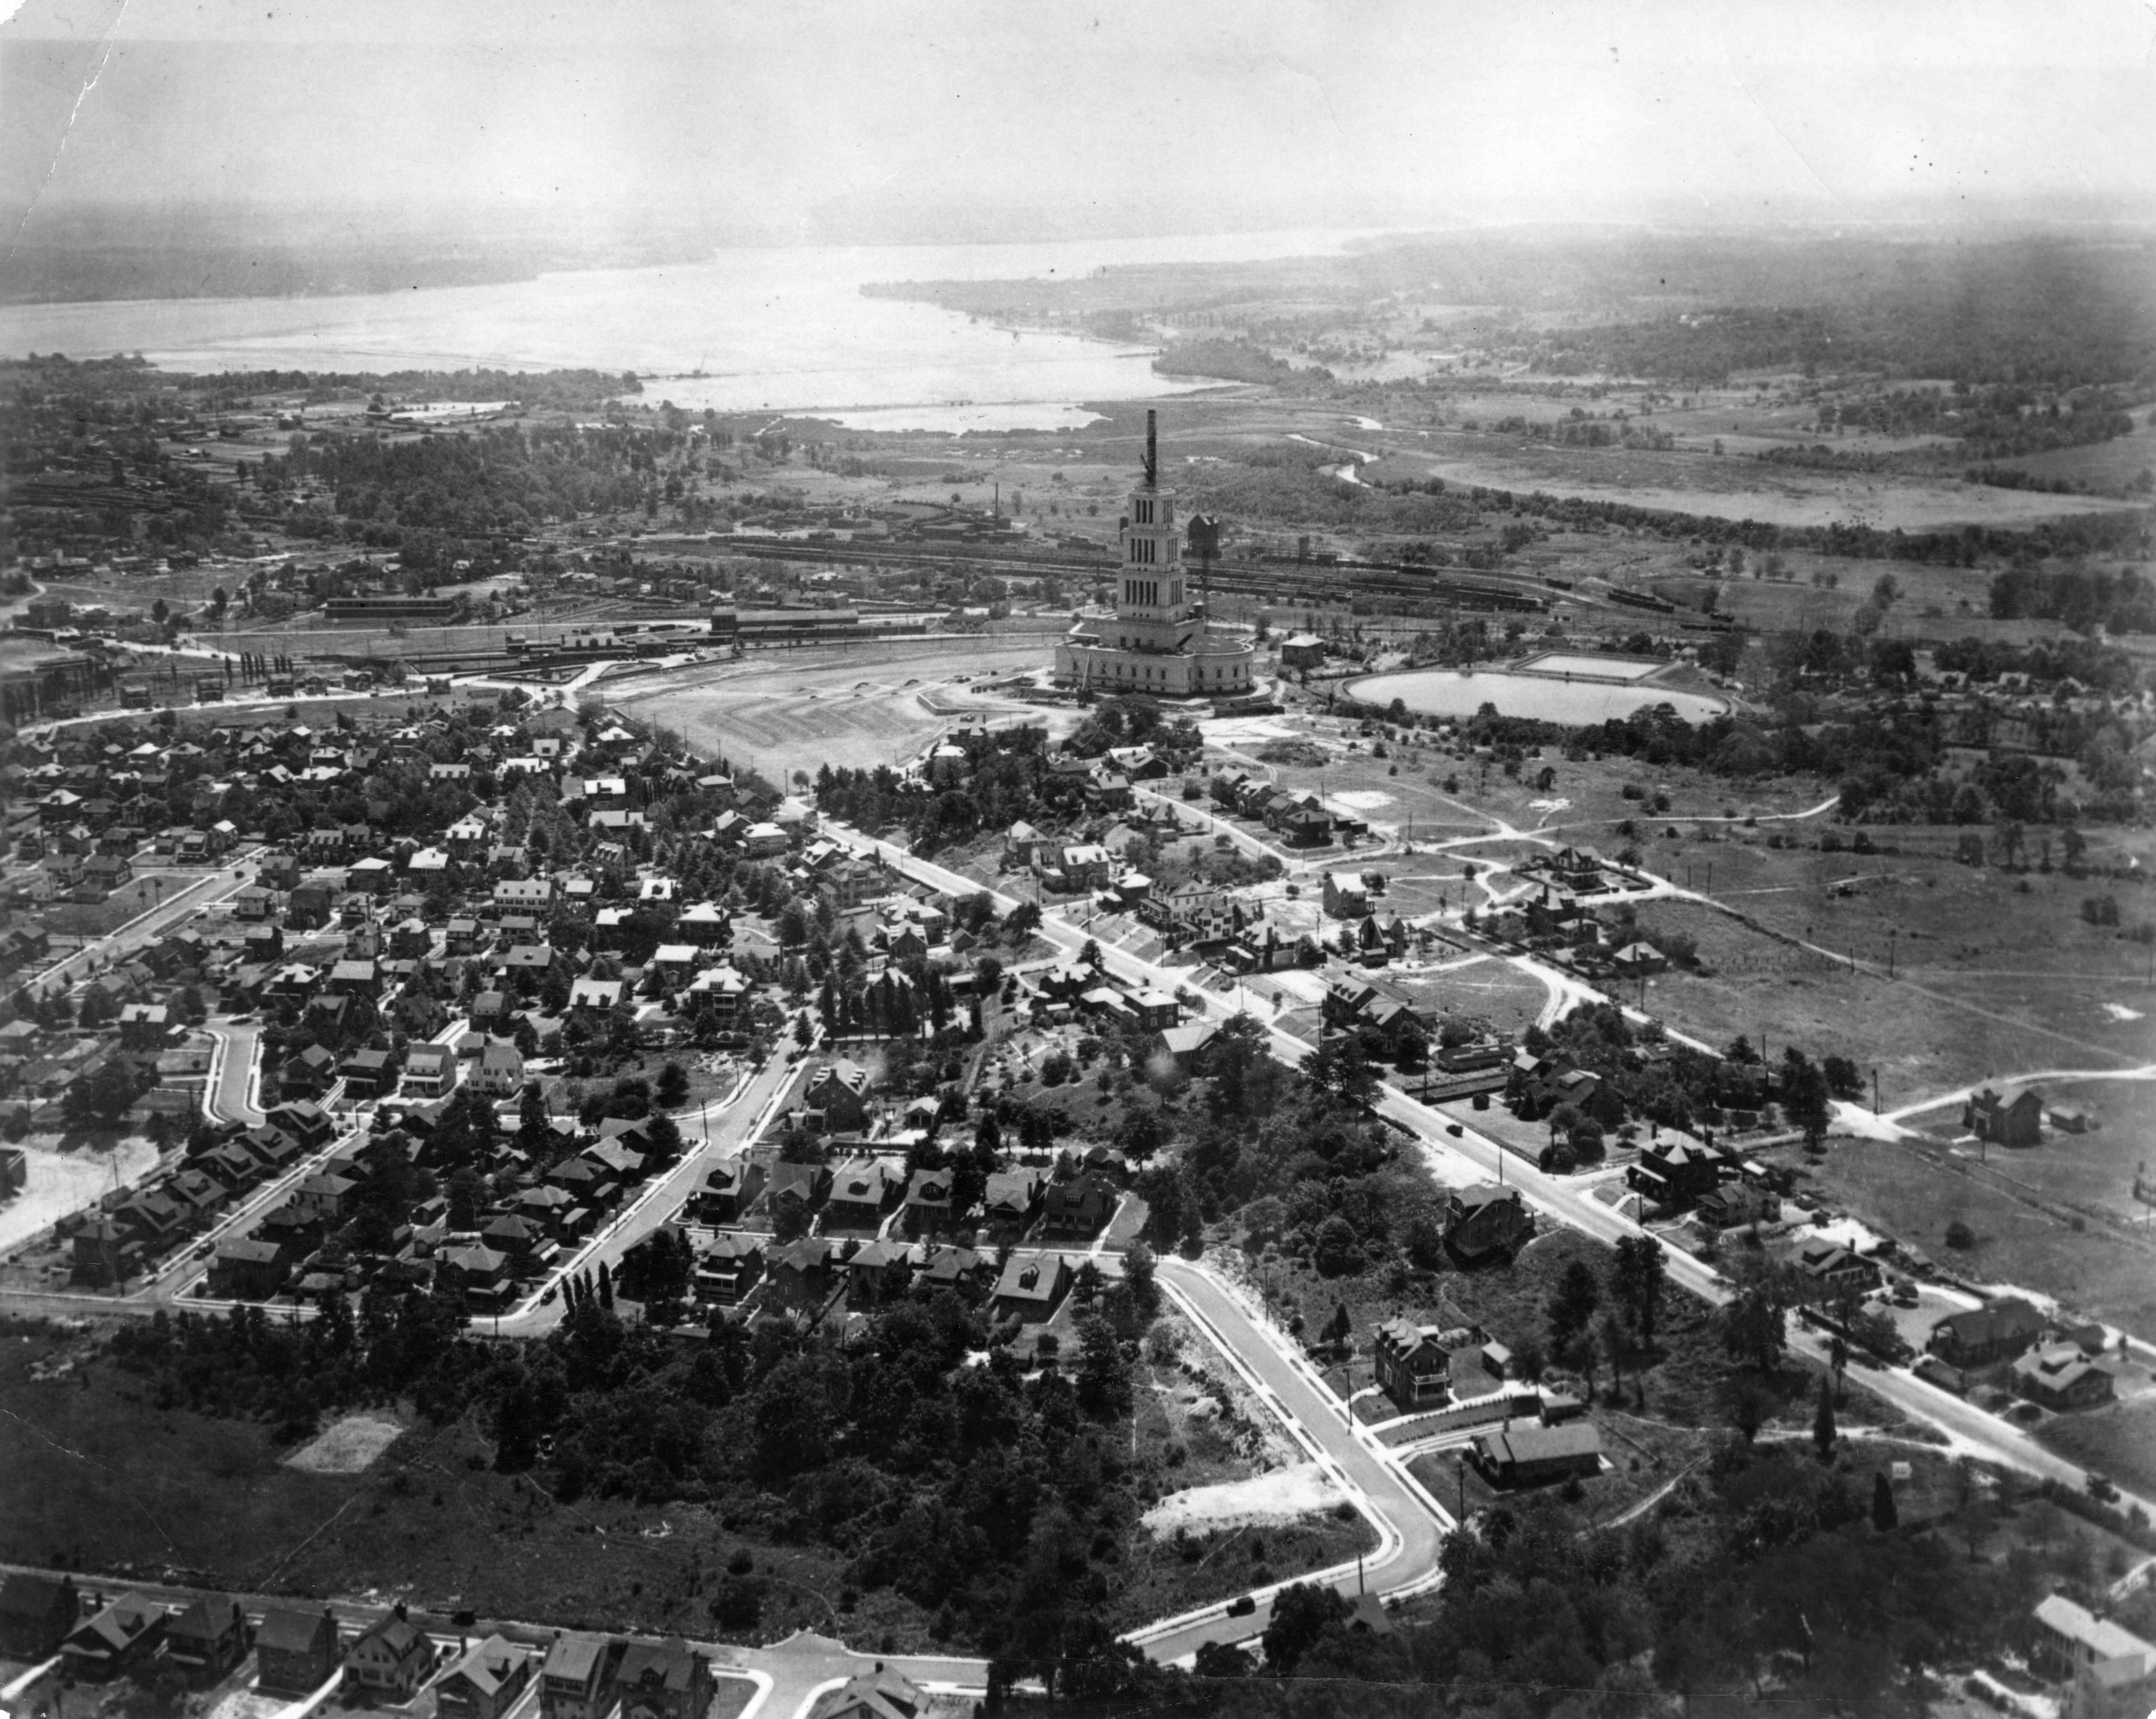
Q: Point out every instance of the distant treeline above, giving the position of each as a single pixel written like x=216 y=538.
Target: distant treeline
x=2124 y=531
x=1236 y=361
x=55 y=373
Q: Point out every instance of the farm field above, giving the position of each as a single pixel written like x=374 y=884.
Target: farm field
x=1732 y=488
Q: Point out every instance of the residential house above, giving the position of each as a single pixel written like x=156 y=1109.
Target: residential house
x=880 y=1694
x=877 y=1272
x=837 y=1096
x=499 y=1070
x=1414 y=1368
x=1533 y=1455
x=1076 y=1210
x=664 y=1680
x=861 y=1189
x=486 y=1683
x=1490 y=1221
x=36 y=1614
x=1345 y=895
x=730 y=1267
x=2061 y=1377
x=800 y=1271
x=430 y=1071
x=295 y=1651
x=729 y=1189
x=209 y=1638
x=1032 y=1288
x=1012 y=1201
x=2011 y=1116
x=248 y=1269
x=1736 y=1203
x=928 y=1208
x=390 y=1658
x=1833 y=1272
x=1675 y=1172
x=575 y=1680
x=1981 y=1337
x=2077 y=1646
x=121 y=1638
x=367 y=1074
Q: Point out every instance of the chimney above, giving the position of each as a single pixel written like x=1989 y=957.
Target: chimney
x=1152 y=447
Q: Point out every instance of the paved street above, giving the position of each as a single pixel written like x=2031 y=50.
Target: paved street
x=732 y=1124
x=1565 y=1198
x=1412 y=1530
x=229 y=1095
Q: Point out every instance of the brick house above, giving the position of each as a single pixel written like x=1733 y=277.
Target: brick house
x=296 y=1652
x=1414 y=1368
x=209 y=1638
x=36 y=1614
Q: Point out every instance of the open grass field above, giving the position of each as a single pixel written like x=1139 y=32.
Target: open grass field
x=795 y=712
x=2117 y=1441
x=2104 y=466
x=1997 y=971
x=1915 y=1196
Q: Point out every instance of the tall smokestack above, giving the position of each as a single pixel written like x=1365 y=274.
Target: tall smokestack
x=1152 y=449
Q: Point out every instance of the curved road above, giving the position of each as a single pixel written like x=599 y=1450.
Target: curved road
x=1411 y=1527
x=1972 y=1431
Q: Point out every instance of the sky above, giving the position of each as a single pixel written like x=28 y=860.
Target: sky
x=932 y=119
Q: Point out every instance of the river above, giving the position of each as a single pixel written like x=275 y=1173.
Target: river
x=777 y=329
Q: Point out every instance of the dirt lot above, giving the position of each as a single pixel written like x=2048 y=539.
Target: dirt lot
x=796 y=711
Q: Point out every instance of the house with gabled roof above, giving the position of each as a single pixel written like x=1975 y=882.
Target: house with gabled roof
x=665 y=1680
x=121 y=1638
x=392 y=1657
x=486 y=1682
x=209 y=1638
x=880 y=1694
x=36 y=1614
x=575 y=1680
x=296 y=1651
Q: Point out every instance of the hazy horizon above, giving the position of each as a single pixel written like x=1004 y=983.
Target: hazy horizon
x=953 y=122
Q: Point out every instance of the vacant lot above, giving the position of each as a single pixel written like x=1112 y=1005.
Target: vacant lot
x=2119 y=1442
x=1915 y=1195
x=1997 y=972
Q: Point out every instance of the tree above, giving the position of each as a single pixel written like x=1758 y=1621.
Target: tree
x=1885 y=1516
x=672 y=1091
x=1104 y=1379
x=1803 y=1094
x=1823 y=1430
x=1573 y=1303
x=1639 y=1282
x=1301 y=1613
x=1751 y=1329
